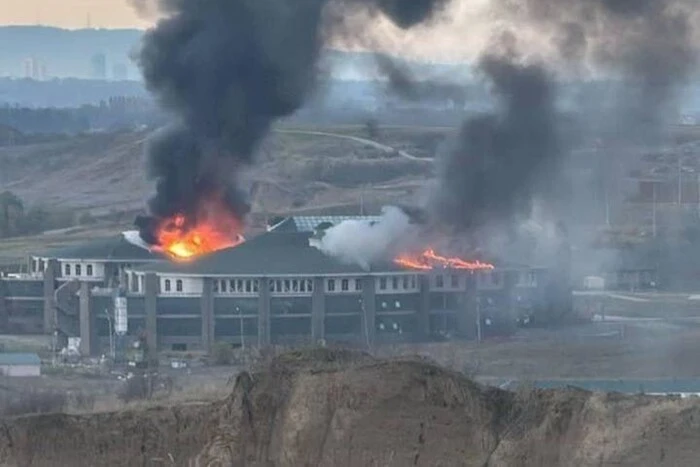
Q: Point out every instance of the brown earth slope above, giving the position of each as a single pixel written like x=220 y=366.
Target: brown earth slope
x=336 y=408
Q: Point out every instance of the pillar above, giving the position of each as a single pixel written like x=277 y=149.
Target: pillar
x=369 y=310
x=264 y=313
x=467 y=316
x=88 y=332
x=318 y=311
x=207 y=312
x=151 y=290
x=50 y=274
x=423 y=311
x=4 y=307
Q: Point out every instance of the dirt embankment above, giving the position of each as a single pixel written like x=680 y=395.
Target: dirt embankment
x=326 y=408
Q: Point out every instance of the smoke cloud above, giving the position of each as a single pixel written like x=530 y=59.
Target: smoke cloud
x=490 y=170
x=651 y=46
x=227 y=69
x=364 y=243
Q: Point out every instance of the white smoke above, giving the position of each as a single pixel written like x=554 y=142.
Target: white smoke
x=365 y=242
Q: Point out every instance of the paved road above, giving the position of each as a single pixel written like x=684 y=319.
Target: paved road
x=357 y=139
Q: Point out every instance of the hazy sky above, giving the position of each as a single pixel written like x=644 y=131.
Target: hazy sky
x=461 y=34
x=70 y=13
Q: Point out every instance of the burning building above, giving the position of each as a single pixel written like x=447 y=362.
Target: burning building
x=278 y=287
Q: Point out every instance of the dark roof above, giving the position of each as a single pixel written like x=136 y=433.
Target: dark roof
x=272 y=253
x=309 y=223
x=19 y=359
x=115 y=248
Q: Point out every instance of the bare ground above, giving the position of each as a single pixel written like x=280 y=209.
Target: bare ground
x=339 y=408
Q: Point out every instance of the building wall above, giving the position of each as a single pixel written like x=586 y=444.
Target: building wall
x=20 y=370
x=88 y=271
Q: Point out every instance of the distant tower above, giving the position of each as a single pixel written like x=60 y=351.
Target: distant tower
x=98 y=65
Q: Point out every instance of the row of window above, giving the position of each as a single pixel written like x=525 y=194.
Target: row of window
x=236 y=286
x=67 y=270
x=167 y=285
x=343 y=285
x=398 y=283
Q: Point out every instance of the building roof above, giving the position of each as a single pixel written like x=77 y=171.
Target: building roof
x=270 y=254
x=309 y=223
x=115 y=248
x=19 y=359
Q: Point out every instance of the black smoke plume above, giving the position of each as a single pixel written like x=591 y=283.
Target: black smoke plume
x=491 y=169
x=227 y=70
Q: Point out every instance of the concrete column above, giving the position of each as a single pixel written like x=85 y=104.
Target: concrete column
x=88 y=331
x=50 y=274
x=369 y=310
x=318 y=311
x=151 y=291
x=510 y=284
x=264 y=313
x=467 y=315
x=4 y=308
x=423 y=311
x=207 y=311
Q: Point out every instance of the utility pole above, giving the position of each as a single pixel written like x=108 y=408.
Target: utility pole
x=653 y=207
x=680 y=181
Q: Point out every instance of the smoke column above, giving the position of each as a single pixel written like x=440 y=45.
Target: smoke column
x=226 y=70
x=489 y=171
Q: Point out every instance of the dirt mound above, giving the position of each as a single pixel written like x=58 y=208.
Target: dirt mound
x=342 y=408
x=339 y=410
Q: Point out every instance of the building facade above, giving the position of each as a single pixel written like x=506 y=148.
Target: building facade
x=276 y=288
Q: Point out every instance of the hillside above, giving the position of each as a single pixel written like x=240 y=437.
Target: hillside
x=300 y=169
x=340 y=408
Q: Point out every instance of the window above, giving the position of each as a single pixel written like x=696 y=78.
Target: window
x=295 y=285
x=302 y=286
x=272 y=286
x=413 y=282
x=89 y=269
x=178 y=285
x=223 y=286
x=358 y=284
x=454 y=281
x=78 y=270
x=439 y=281
x=232 y=286
x=167 y=285
x=405 y=283
x=248 y=286
x=382 y=283
x=310 y=285
x=331 y=285
x=67 y=269
x=215 y=286
x=255 y=286
x=395 y=283
x=278 y=286
x=345 y=285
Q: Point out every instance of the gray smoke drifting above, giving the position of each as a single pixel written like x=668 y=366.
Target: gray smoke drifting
x=402 y=83
x=227 y=70
x=491 y=168
x=650 y=46
x=364 y=243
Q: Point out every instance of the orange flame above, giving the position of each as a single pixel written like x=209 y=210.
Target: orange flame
x=428 y=260
x=216 y=229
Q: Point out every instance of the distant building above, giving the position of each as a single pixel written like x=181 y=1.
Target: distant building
x=98 y=66
x=34 y=69
x=20 y=364
x=120 y=72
